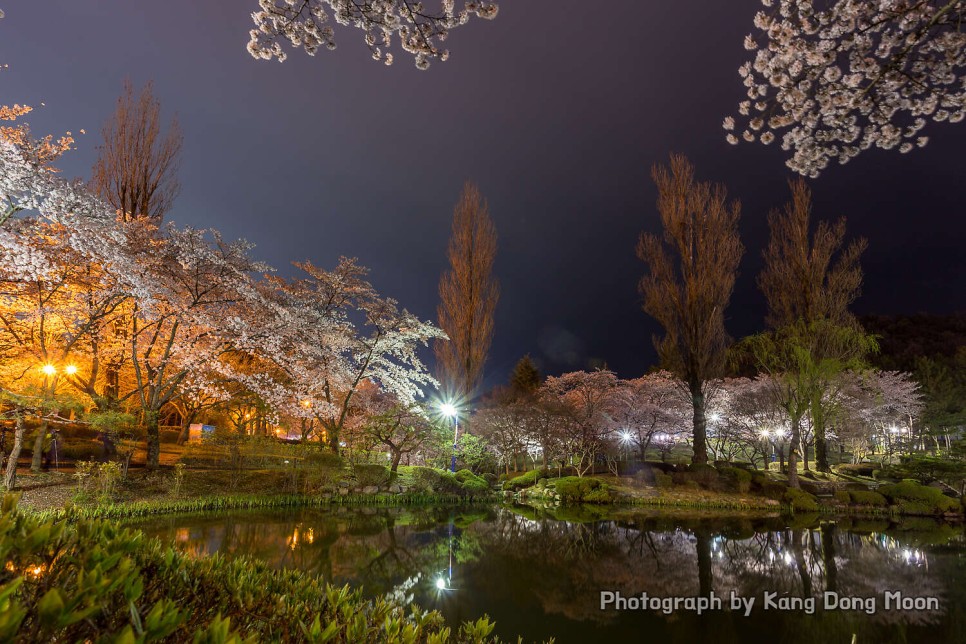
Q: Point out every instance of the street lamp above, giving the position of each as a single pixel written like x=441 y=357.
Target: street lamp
x=449 y=410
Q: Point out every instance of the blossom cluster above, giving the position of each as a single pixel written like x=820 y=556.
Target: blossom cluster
x=847 y=75
x=308 y=24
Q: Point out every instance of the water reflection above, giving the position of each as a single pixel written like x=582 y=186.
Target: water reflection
x=541 y=573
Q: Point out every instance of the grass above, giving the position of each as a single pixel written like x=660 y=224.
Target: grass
x=136 y=509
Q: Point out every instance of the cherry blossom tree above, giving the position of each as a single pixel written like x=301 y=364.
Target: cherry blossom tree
x=340 y=333
x=892 y=403
x=419 y=31
x=651 y=407
x=589 y=398
x=835 y=78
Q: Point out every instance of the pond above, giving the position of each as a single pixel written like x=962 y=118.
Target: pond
x=578 y=574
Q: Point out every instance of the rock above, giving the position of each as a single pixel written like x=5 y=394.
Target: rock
x=343 y=491
x=370 y=489
x=395 y=489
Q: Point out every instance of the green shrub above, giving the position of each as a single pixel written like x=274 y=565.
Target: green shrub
x=856 y=469
x=800 y=501
x=738 y=479
x=867 y=497
x=842 y=496
x=370 y=474
x=574 y=489
x=476 y=486
x=703 y=474
x=913 y=498
x=429 y=479
x=769 y=488
x=662 y=480
x=471 y=483
x=463 y=475
x=490 y=478
x=528 y=479
x=600 y=495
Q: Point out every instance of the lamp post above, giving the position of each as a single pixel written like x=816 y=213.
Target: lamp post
x=450 y=411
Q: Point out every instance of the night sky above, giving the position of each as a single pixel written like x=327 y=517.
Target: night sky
x=557 y=113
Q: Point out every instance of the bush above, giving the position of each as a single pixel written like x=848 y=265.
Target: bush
x=738 y=479
x=428 y=479
x=370 y=474
x=490 y=478
x=528 y=479
x=600 y=495
x=574 y=489
x=663 y=480
x=472 y=483
x=842 y=496
x=867 y=497
x=800 y=501
x=476 y=486
x=913 y=498
x=856 y=469
x=704 y=475
x=464 y=475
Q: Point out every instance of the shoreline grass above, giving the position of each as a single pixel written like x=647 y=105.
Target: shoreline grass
x=139 y=509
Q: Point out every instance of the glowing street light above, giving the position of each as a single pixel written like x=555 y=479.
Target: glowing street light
x=449 y=410
x=70 y=370
x=441 y=584
x=626 y=437
x=49 y=369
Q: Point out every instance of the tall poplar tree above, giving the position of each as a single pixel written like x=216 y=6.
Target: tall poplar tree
x=468 y=294
x=691 y=271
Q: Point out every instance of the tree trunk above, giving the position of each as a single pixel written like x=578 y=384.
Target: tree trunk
x=38 y=454
x=821 y=445
x=705 y=572
x=153 y=440
x=10 y=478
x=185 y=434
x=805 y=455
x=333 y=435
x=793 y=445
x=700 y=426
x=396 y=457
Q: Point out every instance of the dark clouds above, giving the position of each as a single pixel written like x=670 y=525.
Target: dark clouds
x=558 y=114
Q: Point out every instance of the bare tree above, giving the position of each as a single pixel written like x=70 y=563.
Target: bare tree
x=137 y=165
x=811 y=278
x=691 y=272
x=468 y=295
